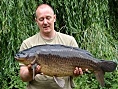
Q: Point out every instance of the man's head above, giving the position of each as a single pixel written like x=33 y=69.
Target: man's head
x=45 y=18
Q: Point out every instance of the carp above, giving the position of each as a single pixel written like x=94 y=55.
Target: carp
x=59 y=60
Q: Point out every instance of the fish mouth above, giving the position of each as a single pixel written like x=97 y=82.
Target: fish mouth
x=20 y=59
x=16 y=57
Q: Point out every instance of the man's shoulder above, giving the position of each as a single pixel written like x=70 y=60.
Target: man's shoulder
x=67 y=39
x=32 y=38
x=64 y=35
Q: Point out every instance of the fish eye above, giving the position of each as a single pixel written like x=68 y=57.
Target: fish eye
x=23 y=53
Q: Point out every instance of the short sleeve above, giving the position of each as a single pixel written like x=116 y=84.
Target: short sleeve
x=73 y=42
x=22 y=47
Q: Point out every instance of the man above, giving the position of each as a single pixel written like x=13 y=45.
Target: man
x=45 y=19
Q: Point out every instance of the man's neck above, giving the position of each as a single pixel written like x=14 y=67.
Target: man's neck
x=48 y=36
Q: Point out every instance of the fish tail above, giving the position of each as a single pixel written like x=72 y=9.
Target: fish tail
x=100 y=77
x=107 y=66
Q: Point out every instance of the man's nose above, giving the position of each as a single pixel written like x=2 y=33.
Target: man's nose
x=45 y=21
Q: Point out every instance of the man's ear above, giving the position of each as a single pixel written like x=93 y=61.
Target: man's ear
x=54 y=18
x=35 y=19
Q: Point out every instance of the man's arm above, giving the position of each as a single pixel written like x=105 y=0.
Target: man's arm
x=26 y=72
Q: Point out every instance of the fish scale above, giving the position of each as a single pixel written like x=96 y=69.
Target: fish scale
x=56 y=60
x=60 y=60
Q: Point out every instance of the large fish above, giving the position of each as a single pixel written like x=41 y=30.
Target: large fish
x=59 y=60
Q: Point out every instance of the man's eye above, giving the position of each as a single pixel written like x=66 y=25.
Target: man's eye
x=41 y=19
x=48 y=17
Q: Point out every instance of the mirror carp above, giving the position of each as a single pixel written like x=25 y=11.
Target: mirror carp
x=59 y=60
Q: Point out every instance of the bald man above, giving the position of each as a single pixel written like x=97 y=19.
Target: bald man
x=45 y=19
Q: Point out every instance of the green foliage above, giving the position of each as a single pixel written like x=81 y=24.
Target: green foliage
x=92 y=22
x=88 y=81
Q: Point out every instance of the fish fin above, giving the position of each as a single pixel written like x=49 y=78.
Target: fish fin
x=59 y=81
x=107 y=66
x=33 y=68
x=72 y=82
x=100 y=77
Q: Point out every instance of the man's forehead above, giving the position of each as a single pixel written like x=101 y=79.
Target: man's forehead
x=44 y=13
x=43 y=8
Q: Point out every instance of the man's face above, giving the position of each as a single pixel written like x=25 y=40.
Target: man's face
x=45 y=19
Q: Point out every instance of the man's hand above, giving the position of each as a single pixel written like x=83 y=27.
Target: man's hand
x=78 y=71
x=37 y=69
x=26 y=72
